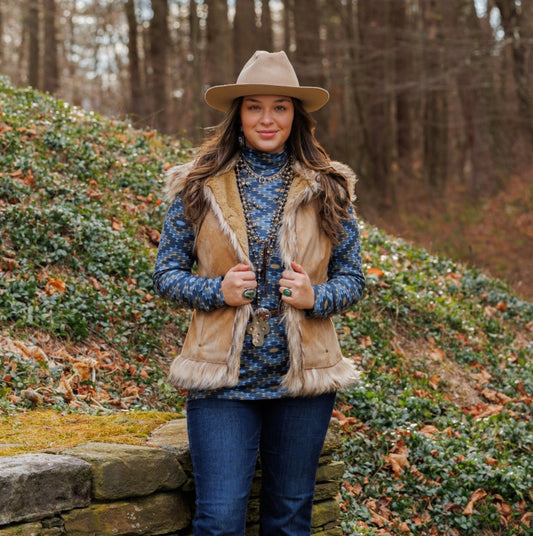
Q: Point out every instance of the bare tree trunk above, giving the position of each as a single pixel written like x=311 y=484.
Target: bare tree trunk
x=196 y=77
x=340 y=109
x=135 y=105
x=266 y=39
x=375 y=94
x=244 y=33
x=32 y=24
x=218 y=61
x=483 y=134
x=403 y=74
x=159 y=44
x=435 y=119
x=287 y=26
x=352 y=131
x=308 y=56
x=1 y=36
x=51 y=69
x=518 y=25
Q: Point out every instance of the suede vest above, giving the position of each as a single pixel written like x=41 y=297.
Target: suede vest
x=210 y=357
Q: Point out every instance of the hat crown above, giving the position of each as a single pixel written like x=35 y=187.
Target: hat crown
x=269 y=68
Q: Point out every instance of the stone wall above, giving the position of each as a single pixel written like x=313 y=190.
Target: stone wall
x=105 y=489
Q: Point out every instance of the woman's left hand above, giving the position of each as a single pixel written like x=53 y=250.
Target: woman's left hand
x=296 y=289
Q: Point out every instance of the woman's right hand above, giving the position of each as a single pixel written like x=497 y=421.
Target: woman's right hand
x=237 y=279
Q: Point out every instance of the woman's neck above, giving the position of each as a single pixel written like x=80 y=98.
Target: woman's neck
x=262 y=162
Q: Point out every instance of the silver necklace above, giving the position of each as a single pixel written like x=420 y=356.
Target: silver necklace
x=262 y=178
x=267 y=244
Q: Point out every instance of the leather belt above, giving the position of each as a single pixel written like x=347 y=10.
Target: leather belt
x=266 y=313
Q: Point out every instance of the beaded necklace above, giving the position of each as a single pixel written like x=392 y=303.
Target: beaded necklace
x=267 y=244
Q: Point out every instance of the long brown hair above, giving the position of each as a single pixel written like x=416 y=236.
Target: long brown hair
x=223 y=144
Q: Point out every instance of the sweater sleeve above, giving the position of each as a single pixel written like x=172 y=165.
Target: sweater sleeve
x=173 y=277
x=346 y=280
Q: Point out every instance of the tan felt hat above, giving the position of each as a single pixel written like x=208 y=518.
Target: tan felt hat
x=267 y=73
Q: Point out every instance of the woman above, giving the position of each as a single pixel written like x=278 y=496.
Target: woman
x=266 y=220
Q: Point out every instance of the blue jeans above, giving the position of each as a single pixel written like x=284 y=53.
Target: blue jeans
x=225 y=437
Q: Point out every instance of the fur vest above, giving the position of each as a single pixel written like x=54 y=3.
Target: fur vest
x=210 y=357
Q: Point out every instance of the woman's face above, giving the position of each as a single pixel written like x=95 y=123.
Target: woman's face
x=266 y=121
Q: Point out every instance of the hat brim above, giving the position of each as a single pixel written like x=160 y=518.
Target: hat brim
x=221 y=97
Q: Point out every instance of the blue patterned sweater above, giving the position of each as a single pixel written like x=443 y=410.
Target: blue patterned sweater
x=262 y=367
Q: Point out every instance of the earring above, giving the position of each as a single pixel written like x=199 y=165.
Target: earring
x=241 y=138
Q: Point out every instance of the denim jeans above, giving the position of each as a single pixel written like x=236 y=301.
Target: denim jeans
x=225 y=437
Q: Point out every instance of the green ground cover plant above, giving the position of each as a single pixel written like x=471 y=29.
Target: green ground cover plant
x=437 y=435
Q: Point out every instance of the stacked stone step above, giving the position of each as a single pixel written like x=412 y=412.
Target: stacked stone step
x=104 y=489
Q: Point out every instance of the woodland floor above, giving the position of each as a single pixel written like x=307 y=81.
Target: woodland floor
x=493 y=232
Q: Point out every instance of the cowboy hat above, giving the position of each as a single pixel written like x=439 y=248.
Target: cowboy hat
x=267 y=73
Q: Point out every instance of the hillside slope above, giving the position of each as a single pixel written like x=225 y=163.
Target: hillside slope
x=438 y=433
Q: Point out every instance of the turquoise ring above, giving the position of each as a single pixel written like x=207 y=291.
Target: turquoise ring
x=249 y=293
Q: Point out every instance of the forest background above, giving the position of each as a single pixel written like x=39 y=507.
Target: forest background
x=432 y=100
x=432 y=106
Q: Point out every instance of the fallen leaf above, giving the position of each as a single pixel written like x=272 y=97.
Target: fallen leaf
x=336 y=414
x=116 y=224
x=504 y=510
x=64 y=388
x=495 y=396
x=153 y=235
x=434 y=381
x=501 y=306
x=429 y=431
x=55 y=285
x=85 y=368
x=437 y=354
x=490 y=311
x=352 y=489
x=480 y=411
x=398 y=458
x=521 y=390
x=31 y=395
x=479 y=494
x=365 y=341
x=375 y=271
x=8 y=264
x=402 y=527
x=377 y=519
x=526 y=519
x=455 y=277
x=482 y=378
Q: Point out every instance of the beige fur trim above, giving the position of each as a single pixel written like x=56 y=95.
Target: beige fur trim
x=242 y=316
x=237 y=245
x=176 y=178
x=288 y=247
x=313 y=382
x=291 y=317
x=201 y=375
x=351 y=177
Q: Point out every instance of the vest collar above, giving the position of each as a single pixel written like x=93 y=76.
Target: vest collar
x=225 y=191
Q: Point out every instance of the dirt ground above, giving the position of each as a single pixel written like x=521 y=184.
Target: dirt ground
x=492 y=232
